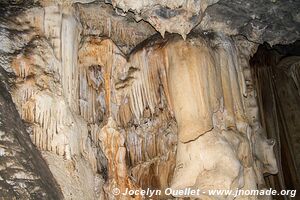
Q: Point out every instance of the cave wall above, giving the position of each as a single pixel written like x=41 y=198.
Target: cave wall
x=108 y=109
x=23 y=172
x=276 y=73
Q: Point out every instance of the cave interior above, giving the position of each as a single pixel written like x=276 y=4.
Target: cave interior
x=99 y=98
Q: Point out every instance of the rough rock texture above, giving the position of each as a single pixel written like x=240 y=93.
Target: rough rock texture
x=278 y=71
x=76 y=177
x=67 y=103
x=172 y=16
x=273 y=21
x=110 y=111
x=215 y=94
x=23 y=172
x=101 y=19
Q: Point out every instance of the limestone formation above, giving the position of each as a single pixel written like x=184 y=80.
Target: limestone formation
x=123 y=95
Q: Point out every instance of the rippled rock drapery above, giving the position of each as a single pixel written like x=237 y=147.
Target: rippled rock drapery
x=105 y=118
x=214 y=120
x=67 y=103
x=278 y=71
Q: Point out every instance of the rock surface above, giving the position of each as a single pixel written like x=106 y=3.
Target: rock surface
x=273 y=21
x=111 y=103
x=24 y=174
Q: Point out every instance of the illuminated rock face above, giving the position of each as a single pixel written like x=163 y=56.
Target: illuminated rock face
x=172 y=113
x=206 y=91
x=87 y=108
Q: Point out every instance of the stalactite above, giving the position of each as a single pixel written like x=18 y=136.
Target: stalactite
x=150 y=70
x=278 y=108
x=89 y=102
x=42 y=111
x=112 y=143
x=257 y=136
x=151 y=150
x=38 y=96
x=99 y=58
x=70 y=31
x=197 y=73
x=147 y=68
x=233 y=84
x=52 y=27
x=291 y=67
x=213 y=72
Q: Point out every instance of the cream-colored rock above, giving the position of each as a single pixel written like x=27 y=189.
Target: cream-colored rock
x=264 y=152
x=113 y=118
x=46 y=95
x=113 y=145
x=172 y=16
x=99 y=61
x=207 y=163
x=207 y=101
x=194 y=101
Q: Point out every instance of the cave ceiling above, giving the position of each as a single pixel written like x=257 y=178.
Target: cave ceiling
x=272 y=21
